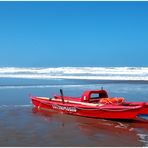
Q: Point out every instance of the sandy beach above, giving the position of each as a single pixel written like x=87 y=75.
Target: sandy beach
x=23 y=125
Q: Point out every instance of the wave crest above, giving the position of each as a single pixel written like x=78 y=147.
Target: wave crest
x=90 y=73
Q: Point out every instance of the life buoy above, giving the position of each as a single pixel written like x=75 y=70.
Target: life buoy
x=111 y=100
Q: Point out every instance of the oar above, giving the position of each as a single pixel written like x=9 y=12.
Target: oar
x=62 y=96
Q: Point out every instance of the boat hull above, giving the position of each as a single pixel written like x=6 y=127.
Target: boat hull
x=105 y=112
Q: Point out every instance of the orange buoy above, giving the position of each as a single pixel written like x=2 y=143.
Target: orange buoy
x=111 y=100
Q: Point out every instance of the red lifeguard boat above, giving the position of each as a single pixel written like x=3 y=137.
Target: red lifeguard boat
x=94 y=104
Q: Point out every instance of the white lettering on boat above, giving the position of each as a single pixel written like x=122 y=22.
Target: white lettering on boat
x=64 y=108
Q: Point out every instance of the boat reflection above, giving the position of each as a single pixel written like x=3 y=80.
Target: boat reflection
x=99 y=132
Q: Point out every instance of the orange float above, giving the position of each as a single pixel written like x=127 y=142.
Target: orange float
x=111 y=100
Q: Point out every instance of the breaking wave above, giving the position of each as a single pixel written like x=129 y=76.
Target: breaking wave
x=87 y=73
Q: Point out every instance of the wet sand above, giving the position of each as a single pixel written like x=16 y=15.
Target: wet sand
x=28 y=126
x=22 y=125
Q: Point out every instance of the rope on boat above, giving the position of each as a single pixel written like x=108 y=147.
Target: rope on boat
x=106 y=109
x=115 y=110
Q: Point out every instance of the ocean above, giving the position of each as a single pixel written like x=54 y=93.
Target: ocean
x=22 y=125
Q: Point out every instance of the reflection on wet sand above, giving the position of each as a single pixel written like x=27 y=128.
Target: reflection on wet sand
x=94 y=132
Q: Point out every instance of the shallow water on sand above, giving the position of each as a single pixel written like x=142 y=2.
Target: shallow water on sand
x=23 y=125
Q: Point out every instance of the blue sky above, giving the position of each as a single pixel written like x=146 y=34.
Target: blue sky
x=49 y=34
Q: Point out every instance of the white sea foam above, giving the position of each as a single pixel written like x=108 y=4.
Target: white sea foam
x=12 y=106
x=90 y=73
x=143 y=138
x=42 y=86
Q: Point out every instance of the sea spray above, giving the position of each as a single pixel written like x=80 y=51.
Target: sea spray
x=82 y=73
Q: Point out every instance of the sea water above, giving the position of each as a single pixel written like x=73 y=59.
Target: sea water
x=23 y=125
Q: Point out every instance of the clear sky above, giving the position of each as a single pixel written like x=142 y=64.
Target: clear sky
x=49 y=34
